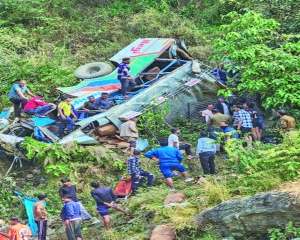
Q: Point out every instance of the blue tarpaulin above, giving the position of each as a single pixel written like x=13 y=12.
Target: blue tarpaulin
x=39 y=122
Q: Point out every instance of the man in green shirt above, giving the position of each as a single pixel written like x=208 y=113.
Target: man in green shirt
x=215 y=121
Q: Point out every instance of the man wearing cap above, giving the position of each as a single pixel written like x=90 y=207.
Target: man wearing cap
x=222 y=106
x=136 y=172
x=16 y=96
x=105 y=199
x=64 y=113
x=70 y=214
x=70 y=190
x=127 y=81
x=102 y=103
x=18 y=231
x=37 y=106
x=129 y=133
x=173 y=141
x=40 y=216
x=168 y=159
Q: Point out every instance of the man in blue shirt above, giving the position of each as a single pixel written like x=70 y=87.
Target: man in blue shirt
x=127 y=81
x=136 y=172
x=105 y=199
x=102 y=103
x=70 y=214
x=168 y=159
x=70 y=190
x=231 y=132
x=16 y=96
x=220 y=74
x=206 y=150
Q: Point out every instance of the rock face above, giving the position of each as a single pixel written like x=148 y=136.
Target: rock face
x=252 y=216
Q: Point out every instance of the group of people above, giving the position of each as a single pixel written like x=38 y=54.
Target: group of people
x=62 y=109
x=72 y=213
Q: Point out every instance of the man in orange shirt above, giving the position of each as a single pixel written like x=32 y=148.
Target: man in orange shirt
x=18 y=231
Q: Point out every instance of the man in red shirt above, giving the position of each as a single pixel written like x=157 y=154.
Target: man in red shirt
x=37 y=106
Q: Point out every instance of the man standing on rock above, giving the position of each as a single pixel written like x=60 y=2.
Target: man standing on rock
x=127 y=81
x=168 y=159
x=105 y=199
x=16 y=96
x=69 y=189
x=40 y=216
x=130 y=133
x=70 y=214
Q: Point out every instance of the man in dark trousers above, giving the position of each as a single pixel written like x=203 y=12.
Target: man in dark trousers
x=105 y=199
x=70 y=214
x=69 y=189
x=18 y=98
x=127 y=81
x=136 y=172
x=206 y=150
x=40 y=216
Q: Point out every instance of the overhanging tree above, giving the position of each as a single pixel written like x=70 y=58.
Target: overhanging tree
x=268 y=61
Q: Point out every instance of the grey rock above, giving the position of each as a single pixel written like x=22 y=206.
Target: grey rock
x=252 y=216
x=29 y=176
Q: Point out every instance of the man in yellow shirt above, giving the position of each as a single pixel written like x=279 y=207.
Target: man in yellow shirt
x=287 y=123
x=64 y=113
x=18 y=231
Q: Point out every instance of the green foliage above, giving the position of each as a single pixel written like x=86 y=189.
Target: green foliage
x=289 y=232
x=57 y=169
x=10 y=204
x=57 y=158
x=268 y=60
x=152 y=123
x=266 y=165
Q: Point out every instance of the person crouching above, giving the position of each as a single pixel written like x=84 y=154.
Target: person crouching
x=136 y=172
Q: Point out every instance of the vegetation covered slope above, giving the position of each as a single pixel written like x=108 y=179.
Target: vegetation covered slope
x=43 y=42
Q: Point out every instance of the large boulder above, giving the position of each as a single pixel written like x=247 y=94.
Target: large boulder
x=252 y=216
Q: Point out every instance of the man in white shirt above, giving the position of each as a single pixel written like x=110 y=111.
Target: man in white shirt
x=173 y=141
x=206 y=114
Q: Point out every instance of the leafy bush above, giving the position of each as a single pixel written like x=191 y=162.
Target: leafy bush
x=268 y=61
x=266 y=165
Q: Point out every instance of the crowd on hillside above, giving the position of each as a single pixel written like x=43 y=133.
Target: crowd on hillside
x=237 y=118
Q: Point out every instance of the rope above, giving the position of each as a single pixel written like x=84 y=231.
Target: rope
x=16 y=159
